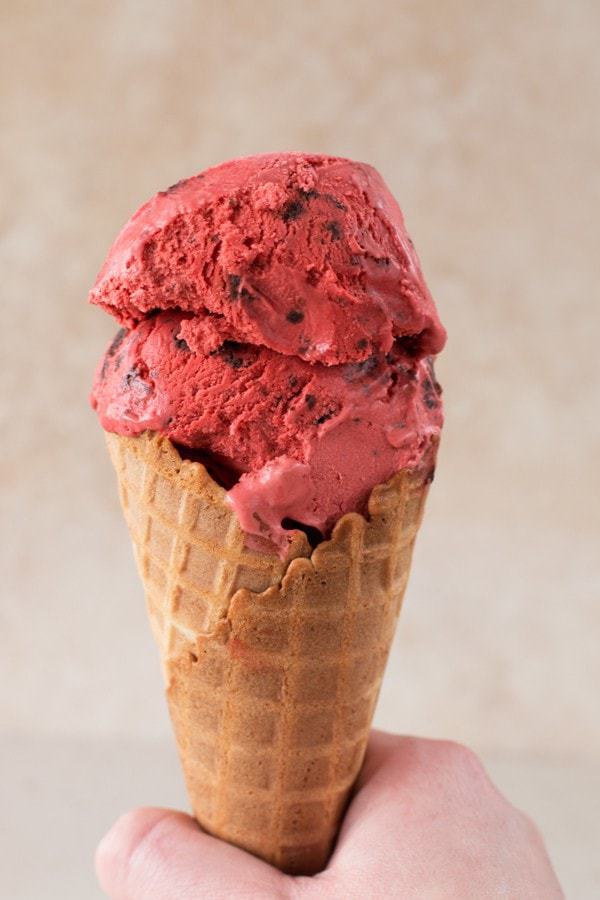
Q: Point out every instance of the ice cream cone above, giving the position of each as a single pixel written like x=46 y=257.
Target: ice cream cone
x=272 y=667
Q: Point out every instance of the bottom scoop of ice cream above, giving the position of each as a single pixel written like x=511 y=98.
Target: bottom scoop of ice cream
x=295 y=442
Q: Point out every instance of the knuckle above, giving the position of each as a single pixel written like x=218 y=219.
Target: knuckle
x=151 y=839
x=462 y=756
x=464 y=764
x=533 y=834
x=134 y=836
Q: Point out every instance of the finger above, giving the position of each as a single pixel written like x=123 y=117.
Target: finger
x=370 y=829
x=159 y=854
x=362 y=861
x=405 y=781
x=382 y=747
x=426 y=814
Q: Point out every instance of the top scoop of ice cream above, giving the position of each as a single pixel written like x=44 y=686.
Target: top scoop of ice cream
x=277 y=326
x=306 y=255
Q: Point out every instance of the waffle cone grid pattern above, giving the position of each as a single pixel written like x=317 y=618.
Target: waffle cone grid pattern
x=272 y=667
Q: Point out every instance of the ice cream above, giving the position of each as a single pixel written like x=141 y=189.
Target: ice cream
x=275 y=323
x=275 y=327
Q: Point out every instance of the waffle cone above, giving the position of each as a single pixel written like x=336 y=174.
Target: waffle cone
x=272 y=667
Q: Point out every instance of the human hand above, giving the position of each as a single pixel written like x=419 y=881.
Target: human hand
x=425 y=822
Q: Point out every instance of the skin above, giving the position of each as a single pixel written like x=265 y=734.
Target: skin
x=426 y=822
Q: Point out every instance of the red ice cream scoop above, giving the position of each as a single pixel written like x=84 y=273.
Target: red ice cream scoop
x=307 y=255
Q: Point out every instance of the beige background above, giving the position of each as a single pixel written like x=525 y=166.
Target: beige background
x=484 y=119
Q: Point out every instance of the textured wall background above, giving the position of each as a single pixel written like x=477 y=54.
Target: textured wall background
x=483 y=118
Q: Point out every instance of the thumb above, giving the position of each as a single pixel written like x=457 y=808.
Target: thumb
x=159 y=854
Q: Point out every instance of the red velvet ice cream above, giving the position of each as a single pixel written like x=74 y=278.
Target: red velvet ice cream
x=276 y=320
